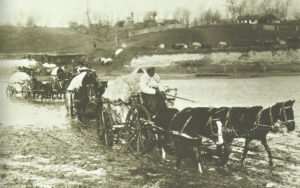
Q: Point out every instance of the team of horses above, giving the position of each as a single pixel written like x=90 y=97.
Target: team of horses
x=185 y=129
x=55 y=88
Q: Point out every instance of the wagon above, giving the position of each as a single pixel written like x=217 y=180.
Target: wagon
x=136 y=131
x=18 y=85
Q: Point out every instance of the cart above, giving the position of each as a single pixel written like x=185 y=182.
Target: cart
x=136 y=131
x=18 y=85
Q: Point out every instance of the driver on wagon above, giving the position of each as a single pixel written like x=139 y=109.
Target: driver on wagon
x=152 y=91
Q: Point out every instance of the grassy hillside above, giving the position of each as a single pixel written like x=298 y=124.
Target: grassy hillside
x=234 y=35
x=42 y=39
x=63 y=40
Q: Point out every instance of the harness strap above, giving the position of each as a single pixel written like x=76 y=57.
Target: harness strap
x=228 y=123
x=186 y=123
x=177 y=133
x=271 y=116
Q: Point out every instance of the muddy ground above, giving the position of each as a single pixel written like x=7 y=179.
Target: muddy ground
x=71 y=156
x=41 y=147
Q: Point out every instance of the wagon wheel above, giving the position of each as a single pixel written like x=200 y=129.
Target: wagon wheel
x=11 y=92
x=104 y=127
x=25 y=92
x=139 y=136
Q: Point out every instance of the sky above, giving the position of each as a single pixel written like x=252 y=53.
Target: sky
x=58 y=13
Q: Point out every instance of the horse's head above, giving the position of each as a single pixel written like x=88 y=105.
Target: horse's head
x=286 y=114
x=217 y=121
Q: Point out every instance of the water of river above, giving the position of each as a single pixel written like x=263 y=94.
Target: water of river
x=206 y=92
x=51 y=115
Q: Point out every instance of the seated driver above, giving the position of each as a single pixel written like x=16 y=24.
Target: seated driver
x=152 y=91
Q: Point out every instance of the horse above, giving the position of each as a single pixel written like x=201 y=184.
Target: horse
x=162 y=116
x=59 y=87
x=163 y=120
x=192 y=124
x=87 y=98
x=238 y=121
x=255 y=123
x=39 y=89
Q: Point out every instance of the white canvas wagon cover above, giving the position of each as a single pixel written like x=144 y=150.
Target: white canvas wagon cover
x=76 y=82
x=19 y=77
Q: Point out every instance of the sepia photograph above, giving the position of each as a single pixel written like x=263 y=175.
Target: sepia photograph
x=149 y=93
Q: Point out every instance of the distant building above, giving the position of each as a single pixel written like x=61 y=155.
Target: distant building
x=248 y=19
x=139 y=25
x=150 y=23
x=129 y=21
x=269 y=19
x=167 y=22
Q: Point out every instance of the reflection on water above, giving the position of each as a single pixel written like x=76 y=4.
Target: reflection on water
x=208 y=92
x=238 y=92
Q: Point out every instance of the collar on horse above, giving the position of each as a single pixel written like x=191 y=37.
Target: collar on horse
x=258 y=125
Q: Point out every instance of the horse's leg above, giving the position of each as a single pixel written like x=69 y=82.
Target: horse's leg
x=197 y=150
x=160 y=144
x=265 y=144
x=179 y=151
x=246 y=148
x=227 y=151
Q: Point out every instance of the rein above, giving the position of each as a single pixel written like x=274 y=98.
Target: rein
x=286 y=120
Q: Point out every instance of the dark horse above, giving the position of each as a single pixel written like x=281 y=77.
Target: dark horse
x=59 y=87
x=39 y=89
x=191 y=124
x=87 y=99
x=161 y=117
x=255 y=123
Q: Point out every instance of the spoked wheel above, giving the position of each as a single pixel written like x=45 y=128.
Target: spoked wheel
x=139 y=136
x=25 y=92
x=104 y=127
x=11 y=92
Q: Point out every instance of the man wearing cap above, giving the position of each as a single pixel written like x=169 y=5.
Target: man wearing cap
x=152 y=91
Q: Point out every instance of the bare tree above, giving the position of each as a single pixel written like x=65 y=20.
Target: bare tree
x=208 y=16
x=88 y=14
x=217 y=16
x=252 y=6
x=277 y=8
x=241 y=8
x=73 y=25
x=150 y=15
x=30 y=22
x=231 y=7
x=297 y=15
x=182 y=15
x=287 y=4
x=195 y=22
